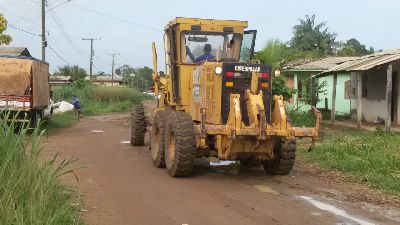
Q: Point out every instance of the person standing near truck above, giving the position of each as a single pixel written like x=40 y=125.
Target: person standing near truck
x=77 y=105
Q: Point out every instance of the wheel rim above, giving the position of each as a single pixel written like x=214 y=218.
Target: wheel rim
x=171 y=147
x=156 y=143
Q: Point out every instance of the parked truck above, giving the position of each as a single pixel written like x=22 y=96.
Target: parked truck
x=24 y=89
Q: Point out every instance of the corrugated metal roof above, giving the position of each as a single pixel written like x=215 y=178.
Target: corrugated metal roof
x=321 y=64
x=365 y=62
x=15 y=51
x=108 y=78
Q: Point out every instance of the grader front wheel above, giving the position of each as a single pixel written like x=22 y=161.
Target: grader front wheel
x=179 y=144
x=157 y=137
x=138 y=126
x=285 y=156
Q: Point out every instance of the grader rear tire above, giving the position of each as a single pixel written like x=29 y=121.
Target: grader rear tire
x=179 y=144
x=138 y=126
x=157 y=139
x=285 y=156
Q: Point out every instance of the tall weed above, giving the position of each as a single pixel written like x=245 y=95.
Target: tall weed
x=30 y=188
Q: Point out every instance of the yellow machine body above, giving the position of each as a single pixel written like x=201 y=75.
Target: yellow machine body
x=229 y=98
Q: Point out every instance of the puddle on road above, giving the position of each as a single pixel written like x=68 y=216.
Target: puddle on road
x=265 y=189
x=97 y=131
x=336 y=211
x=125 y=142
x=222 y=163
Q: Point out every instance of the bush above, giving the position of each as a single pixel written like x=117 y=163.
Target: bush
x=100 y=100
x=302 y=118
x=30 y=188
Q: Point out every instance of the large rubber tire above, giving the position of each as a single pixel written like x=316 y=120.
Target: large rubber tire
x=36 y=118
x=157 y=138
x=138 y=125
x=179 y=144
x=285 y=156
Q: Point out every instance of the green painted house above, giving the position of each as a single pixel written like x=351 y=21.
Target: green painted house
x=298 y=72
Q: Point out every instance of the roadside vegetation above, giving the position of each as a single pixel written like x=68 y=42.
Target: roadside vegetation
x=63 y=120
x=369 y=157
x=31 y=191
x=94 y=101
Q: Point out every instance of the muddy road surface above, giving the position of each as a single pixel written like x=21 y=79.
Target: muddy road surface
x=120 y=186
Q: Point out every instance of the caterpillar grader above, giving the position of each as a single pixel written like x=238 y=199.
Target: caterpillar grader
x=214 y=100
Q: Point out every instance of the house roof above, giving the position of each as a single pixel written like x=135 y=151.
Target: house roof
x=365 y=62
x=60 y=78
x=14 y=51
x=107 y=78
x=318 y=64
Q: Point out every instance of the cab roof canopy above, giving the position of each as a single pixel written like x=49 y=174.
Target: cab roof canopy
x=197 y=24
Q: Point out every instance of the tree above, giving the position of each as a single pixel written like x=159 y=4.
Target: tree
x=125 y=71
x=353 y=47
x=140 y=78
x=75 y=72
x=279 y=88
x=310 y=36
x=274 y=54
x=277 y=54
x=311 y=92
x=4 y=38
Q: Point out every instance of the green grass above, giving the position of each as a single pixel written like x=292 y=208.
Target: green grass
x=31 y=191
x=94 y=101
x=64 y=120
x=300 y=118
x=369 y=157
x=101 y=108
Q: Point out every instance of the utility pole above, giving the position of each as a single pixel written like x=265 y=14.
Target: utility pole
x=44 y=42
x=91 y=53
x=112 y=67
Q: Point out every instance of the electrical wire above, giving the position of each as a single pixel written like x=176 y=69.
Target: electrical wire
x=22 y=30
x=58 y=55
x=20 y=17
x=62 y=3
x=66 y=35
x=116 y=18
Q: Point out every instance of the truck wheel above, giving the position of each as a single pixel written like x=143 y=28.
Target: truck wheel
x=179 y=144
x=138 y=126
x=37 y=116
x=285 y=156
x=157 y=139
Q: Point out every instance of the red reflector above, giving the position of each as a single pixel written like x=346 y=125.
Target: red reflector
x=229 y=74
x=264 y=75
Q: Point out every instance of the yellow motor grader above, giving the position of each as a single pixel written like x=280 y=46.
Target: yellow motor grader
x=215 y=101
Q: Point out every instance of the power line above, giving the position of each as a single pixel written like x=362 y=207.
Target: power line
x=66 y=35
x=116 y=18
x=22 y=30
x=58 y=55
x=19 y=17
x=13 y=3
x=62 y=3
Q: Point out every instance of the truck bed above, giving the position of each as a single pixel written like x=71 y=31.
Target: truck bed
x=23 y=80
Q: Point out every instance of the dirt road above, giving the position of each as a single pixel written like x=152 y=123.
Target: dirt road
x=120 y=186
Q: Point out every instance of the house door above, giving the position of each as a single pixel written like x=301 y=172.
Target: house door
x=395 y=93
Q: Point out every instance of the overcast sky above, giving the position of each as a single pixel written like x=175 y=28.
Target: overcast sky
x=128 y=27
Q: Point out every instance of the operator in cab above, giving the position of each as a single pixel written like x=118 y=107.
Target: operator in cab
x=207 y=54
